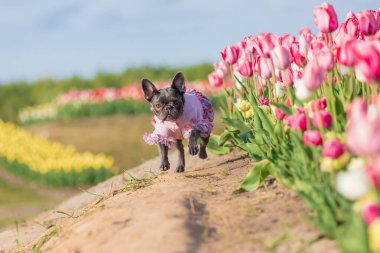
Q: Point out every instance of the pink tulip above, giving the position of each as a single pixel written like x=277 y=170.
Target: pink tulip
x=318 y=104
x=267 y=42
x=288 y=102
x=250 y=44
x=286 y=40
x=325 y=60
x=263 y=67
x=281 y=57
x=333 y=149
x=245 y=68
x=297 y=74
x=346 y=53
x=305 y=41
x=321 y=119
x=279 y=114
x=230 y=54
x=367 y=22
x=340 y=36
x=220 y=69
x=371 y=212
x=313 y=76
x=288 y=74
x=296 y=122
x=229 y=101
x=304 y=30
x=367 y=64
x=215 y=80
x=378 y=18
x=297 y=58
x=316 y=47
x=264 y=101
x=363 y=131
x=373 y=175
x=242 y=46
x=300 y=109
x=325 y=18
x=351 y=25
x=312 y=137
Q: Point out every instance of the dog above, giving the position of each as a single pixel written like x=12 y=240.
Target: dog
x=179 y=113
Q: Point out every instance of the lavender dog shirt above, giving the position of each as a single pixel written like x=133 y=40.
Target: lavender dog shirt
x=197 y=115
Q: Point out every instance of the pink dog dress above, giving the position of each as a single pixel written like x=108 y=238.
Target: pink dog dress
x=197 y=115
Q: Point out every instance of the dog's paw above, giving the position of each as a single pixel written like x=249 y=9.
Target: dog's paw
x=193 y=149
x=180 y=168
x=202 y=153
x=165 y=165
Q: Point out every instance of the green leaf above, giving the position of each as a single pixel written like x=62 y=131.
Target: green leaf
x=267 y=124
x=213 y=146
x=224 y=137
x=237 y=124
x=278 y=131
x=242 y=85
x=255 y=176
x=283 y=108
x=255 y=149
x=245 y=135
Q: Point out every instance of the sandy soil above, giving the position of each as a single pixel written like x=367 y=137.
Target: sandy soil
x=195 y=211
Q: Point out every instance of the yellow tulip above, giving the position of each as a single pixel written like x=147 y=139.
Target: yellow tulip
x=374 y=235
x=248 y=113
x=42 y=155
x=243 y=105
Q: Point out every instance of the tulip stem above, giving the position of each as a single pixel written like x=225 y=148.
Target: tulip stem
x=332 y=103
x=273 y=76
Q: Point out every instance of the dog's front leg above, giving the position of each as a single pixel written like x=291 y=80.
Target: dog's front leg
x=181 y=157
x=165 y=165
x=193 y=145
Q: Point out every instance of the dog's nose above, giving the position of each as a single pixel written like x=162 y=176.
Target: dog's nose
x=169 y=108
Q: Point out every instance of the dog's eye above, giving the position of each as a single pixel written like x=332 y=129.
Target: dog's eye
x=175 y=103
x=158 y=106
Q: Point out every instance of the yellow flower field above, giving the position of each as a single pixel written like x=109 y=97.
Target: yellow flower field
x=50 y=162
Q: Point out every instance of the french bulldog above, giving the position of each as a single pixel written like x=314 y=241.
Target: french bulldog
x=178 y=114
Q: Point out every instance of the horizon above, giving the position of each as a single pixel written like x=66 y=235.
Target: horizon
x=62 y=39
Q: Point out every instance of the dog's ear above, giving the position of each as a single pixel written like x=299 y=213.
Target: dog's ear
x=148 y=88
x=179 y=82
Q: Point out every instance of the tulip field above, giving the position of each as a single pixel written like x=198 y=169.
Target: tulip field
x=47 y=162
x=102 y=101
x=307 y=110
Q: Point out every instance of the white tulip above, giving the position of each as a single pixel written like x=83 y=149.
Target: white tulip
x=352 y=184
x=301 y=91
x=356 y=164
x=279 y=90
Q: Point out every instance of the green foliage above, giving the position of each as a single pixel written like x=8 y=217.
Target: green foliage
x=255 y=177
x=124 y=107
x=17 y=95
x=279 y=151
x=214 y=146
x=61 y=178
x=106 y=108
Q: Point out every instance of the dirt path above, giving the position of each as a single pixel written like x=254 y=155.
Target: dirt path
x=190 y=212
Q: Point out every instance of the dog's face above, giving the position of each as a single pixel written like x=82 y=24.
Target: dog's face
x=167 y=104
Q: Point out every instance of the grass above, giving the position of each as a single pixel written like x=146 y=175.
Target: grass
x=133 y=184
x=13 y=196
x=44 y=239
x=17 y=204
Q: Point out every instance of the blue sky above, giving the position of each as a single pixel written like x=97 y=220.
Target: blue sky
x=64 y=37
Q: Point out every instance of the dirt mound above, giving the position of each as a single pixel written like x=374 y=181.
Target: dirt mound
x=195 y=211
